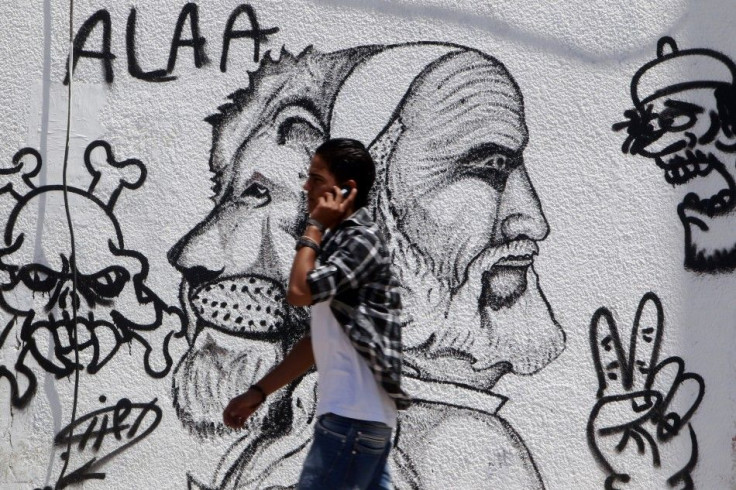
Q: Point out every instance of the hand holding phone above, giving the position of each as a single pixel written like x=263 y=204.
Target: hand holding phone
x=332 y=206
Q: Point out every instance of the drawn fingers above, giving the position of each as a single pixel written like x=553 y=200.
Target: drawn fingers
x=646 y=339
x=682 y=393
x=608 y=354
x=613 y=414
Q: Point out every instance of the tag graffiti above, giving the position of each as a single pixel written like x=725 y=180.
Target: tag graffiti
x=241 y=24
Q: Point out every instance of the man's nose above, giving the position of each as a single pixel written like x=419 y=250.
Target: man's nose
x=520 y=212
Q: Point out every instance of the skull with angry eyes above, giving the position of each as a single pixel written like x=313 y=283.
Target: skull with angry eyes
x=76 y=292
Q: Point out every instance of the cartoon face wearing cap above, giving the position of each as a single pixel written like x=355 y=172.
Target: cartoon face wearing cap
x=684 y=119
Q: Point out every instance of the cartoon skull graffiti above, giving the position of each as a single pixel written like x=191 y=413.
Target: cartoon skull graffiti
x=88 y=295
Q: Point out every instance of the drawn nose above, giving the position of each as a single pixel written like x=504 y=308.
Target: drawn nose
x=192 y=272
x=520 y=212
x=199 y=275
x=198 y=255
x=68 y=300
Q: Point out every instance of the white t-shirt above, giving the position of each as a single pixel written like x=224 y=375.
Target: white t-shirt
x=346 y=384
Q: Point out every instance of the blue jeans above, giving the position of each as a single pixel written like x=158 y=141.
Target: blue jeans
x=347 y=454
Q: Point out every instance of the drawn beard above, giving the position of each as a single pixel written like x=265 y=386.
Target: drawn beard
x=518 y=326
x=710 y=241
x=712 y=249
x=477 y=333
x=707 y=208
x=502 y=286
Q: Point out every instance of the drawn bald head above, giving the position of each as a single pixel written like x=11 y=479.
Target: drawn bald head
x=464 y=222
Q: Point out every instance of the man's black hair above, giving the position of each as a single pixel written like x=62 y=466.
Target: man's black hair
x=349 y=159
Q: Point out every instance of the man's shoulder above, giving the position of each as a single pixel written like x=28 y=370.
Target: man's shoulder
x=361 y=224
x=367 y=235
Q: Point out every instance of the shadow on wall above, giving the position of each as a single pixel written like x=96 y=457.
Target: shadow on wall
x=593 y=34
x=447 y=131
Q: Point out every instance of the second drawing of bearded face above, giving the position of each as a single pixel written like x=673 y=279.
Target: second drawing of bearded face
x=452 y=194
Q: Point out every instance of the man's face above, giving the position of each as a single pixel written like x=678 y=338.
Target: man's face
x=319 y=182
x=684 y=137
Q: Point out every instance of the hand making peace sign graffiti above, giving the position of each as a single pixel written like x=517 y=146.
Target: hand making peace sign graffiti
x=635 y=430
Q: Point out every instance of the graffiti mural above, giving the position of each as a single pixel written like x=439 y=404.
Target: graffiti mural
x=455 y=127
x=639 y=429
x=143 y=275
x=688 y=127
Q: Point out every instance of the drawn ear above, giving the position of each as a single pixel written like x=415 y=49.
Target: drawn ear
x=109 y=176
x=16 y=180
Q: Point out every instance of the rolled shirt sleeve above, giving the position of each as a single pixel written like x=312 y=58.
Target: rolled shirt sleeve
x=349 y=267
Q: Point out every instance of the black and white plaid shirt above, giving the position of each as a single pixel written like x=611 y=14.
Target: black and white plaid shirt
x=354 y=272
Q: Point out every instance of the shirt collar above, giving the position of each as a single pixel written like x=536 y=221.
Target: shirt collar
x=361 y=217
x=451 y=394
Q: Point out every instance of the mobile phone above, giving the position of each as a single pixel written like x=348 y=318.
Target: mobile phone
x=345 y=191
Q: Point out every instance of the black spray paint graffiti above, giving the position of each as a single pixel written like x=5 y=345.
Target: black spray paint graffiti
x=447 y=132
x=104 y=434
x=189 y=15
x=644 y=405
x=112 y=303
x=688 y=127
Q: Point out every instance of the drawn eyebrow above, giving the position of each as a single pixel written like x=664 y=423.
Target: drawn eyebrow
x=684 y=106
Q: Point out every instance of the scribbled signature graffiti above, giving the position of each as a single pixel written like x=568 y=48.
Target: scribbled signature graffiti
x=639 y=429
x=83 y=48
x=104 y=434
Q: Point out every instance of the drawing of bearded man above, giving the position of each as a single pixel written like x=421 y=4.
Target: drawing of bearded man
x=463 y=222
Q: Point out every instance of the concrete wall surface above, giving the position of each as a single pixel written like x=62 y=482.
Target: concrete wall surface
x=556 y=182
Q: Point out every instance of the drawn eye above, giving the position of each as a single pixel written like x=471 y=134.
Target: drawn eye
x=675 y=120
x=38 y=278
x=107 y=283
x=259 y=192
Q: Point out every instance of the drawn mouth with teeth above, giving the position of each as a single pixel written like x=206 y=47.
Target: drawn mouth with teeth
x=251 y=306
x=711 y=190
x=95 y=340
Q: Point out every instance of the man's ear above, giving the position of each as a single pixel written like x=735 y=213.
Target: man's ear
x=351 y=183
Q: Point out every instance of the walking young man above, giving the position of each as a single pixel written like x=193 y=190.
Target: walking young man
x=342 y=268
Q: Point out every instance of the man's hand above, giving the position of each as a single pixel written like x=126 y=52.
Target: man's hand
x=332 y=208
x=241 y=407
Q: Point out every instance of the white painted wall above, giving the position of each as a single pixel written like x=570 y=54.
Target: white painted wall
x=614 y=235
